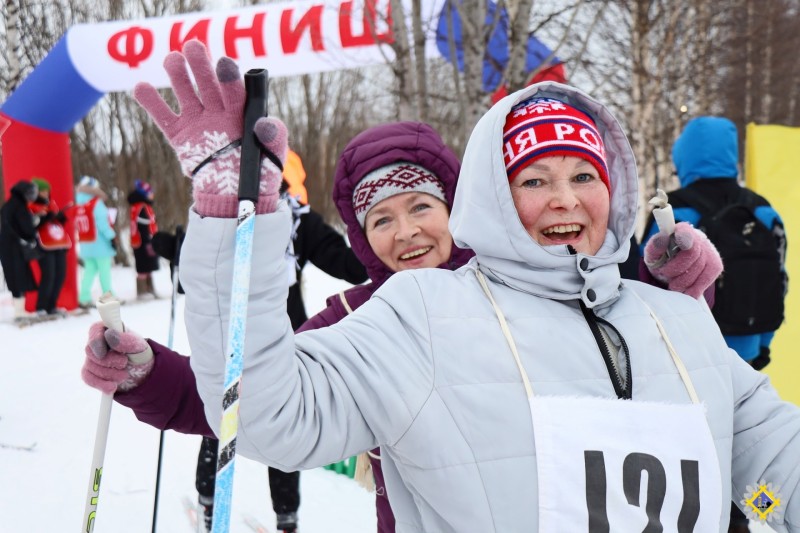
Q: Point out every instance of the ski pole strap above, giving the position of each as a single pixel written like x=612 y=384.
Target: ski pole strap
x=272 y=157
x=222 y=151
x=232 y=146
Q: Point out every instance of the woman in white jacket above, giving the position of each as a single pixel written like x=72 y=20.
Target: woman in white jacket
x=530 y=390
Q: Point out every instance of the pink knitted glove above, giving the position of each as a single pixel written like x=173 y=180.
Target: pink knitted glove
x=115 y=361
x=694 y=263
x=206 y=134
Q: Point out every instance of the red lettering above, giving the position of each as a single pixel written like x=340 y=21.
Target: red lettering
x=255 y=33
x=138 y=45
x=311 y=21
x=199 y=31
x=369 y=35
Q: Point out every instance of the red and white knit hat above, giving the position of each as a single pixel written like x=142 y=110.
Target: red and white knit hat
x=389 y=180
x=544 y=127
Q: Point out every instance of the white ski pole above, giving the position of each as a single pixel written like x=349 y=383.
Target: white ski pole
x=108 y=306
x=665 y=219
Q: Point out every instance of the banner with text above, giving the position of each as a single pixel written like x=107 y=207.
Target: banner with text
x=288 y=38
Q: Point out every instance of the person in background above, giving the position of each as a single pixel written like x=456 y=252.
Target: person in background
x=750 y=236
x=17 y=244
x=143 y=227
x=54 y=242
x=96 y=251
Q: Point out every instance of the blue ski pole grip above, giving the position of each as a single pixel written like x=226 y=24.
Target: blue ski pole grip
x=256 y=83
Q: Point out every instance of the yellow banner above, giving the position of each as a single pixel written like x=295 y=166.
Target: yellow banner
x=772 y=162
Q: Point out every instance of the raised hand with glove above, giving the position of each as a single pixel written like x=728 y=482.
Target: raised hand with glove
x=115 y=361
x=206 y=135
x=685 y=260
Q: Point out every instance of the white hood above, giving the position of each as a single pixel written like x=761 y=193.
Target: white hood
x=485 y=220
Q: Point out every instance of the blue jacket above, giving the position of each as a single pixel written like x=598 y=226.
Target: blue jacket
x=102 y=246
x=706 y=157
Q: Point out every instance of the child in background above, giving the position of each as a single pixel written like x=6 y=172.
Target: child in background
x=143 y=227
x=96 y=250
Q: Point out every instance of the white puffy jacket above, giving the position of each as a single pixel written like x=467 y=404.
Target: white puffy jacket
x=423 y=369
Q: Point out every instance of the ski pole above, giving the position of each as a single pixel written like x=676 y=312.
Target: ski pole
x=108 y=307
x=255 y=81
x=175 y=262
x=662 y=212
x=665 y=219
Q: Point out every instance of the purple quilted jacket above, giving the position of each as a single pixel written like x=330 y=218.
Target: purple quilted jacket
x=413 y=142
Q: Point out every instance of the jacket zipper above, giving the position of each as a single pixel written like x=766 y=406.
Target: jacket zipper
x=623 y=389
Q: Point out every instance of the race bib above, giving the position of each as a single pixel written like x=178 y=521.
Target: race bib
x=620 y=466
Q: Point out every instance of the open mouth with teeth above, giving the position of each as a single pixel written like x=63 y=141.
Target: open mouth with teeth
x=563 y=233
x=416 y=253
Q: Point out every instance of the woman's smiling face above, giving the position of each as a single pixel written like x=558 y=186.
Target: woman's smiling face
x=562 y=200
x=409 y=230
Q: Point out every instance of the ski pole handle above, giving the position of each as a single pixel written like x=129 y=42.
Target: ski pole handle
x=256 y=83
x=256 y=86
x=108 y=307
x=662 y=212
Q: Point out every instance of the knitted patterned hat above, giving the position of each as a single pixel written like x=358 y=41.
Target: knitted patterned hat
x=544 y=127
x=387 y=181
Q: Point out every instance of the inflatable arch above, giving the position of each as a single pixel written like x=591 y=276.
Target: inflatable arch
x=289 y=38
x=93 y=59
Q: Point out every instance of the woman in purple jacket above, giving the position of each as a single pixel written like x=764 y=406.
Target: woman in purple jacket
x=394 y=186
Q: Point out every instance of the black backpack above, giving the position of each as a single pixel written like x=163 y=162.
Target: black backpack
x=749 y=293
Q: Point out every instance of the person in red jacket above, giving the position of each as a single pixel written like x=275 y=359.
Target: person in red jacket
x=143 y=227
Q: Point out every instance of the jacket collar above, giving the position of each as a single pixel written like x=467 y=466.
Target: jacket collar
x=485 y=220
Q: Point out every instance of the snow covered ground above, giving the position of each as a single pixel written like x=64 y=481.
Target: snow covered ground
x=45 y=404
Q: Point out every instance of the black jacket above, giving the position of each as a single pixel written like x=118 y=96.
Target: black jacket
x=17 y=224
x=327 y=250
x=314 y=241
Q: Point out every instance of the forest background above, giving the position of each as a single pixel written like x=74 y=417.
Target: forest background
x=656 y=63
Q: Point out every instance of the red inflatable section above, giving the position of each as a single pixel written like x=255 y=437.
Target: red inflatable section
x=33 y=152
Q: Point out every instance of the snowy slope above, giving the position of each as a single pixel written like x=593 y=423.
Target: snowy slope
x=44 y=402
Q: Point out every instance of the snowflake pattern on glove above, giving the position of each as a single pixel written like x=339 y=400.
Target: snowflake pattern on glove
x=211 y=117
x=220 y=176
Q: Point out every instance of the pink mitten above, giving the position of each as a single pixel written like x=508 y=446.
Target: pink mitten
x=687 y=262
x=115 y=361
x=207 y=134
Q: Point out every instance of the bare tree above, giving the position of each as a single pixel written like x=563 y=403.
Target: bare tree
x=657 y=63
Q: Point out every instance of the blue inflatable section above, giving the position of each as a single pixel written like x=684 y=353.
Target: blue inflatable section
x=54 y=96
